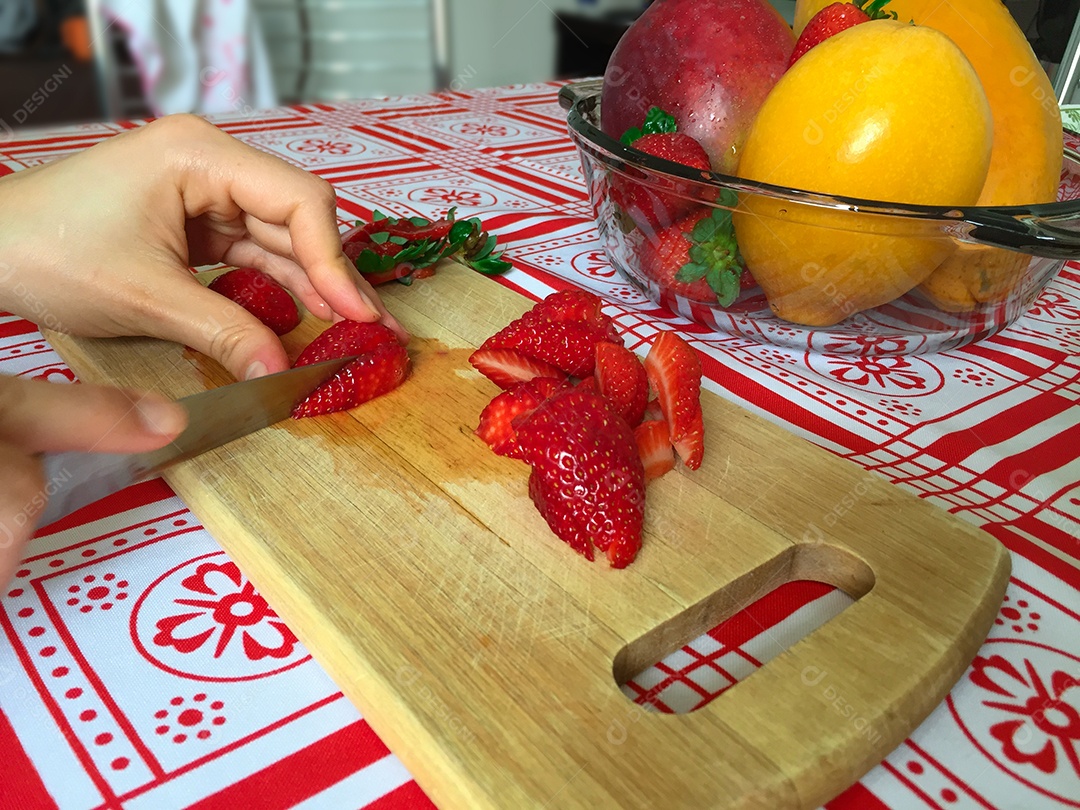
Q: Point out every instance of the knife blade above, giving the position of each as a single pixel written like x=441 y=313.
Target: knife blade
x=215 y=418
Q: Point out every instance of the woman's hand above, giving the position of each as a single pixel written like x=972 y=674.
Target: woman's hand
x=38 y=417
x=99 y=243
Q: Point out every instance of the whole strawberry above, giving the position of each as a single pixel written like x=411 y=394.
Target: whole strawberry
x=260 y=295
x=382 y=364
x=587 y=479
x=696 y=258
x=648 y=206
x=835 y=18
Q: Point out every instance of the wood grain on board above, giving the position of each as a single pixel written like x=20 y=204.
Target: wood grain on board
x=410 y=561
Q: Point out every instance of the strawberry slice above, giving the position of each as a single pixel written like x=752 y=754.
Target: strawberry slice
x=654 y=447
x=496 y=426
x=345 y=338
x=653 y=412
x=506 y=367
x=381 y=366
x=835 y=18
x=587 y=480
x=260 y=295
x=573 y=305
x=569 y=346
x=621 y=379
x=674 y=370
x=542 y=494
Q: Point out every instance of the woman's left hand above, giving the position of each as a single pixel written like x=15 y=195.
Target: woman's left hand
x=99 y=243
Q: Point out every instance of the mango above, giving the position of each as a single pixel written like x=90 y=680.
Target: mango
x=1026 y=161
x=882 y=111
x=709 y=63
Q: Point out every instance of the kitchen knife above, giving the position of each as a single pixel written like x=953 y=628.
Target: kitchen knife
x=215 y=417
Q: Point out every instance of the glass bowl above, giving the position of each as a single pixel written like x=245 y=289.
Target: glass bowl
x=939 y=278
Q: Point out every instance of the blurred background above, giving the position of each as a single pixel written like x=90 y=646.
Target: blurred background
x=72 y=61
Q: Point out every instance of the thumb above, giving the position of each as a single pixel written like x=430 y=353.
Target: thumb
x=38 y=416
x=214 y=325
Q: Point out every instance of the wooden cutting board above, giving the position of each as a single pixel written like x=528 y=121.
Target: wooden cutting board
x=410 y=561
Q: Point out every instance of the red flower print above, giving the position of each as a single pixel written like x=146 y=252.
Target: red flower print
x=319 y=146
x=1053 y=304
x=862 y=371
x=452 y=196
x=1045 y=732
x=866 y=345
x=224 y=609
x=494 y=130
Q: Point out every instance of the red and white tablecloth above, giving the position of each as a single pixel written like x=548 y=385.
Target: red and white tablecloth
x=140 y=669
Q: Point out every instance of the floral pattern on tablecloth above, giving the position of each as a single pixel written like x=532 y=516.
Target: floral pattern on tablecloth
x=142 y=669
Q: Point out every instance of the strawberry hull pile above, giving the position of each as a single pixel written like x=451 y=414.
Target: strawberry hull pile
x=403 y=249
x=575 y=407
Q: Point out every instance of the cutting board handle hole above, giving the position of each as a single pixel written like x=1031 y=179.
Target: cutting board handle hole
x=817 y=562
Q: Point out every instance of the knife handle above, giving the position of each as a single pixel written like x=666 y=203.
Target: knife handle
x=74 y=479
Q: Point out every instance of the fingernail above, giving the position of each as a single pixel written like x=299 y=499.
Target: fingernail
x=161 y=417
x=256 y=369
x=395 y=326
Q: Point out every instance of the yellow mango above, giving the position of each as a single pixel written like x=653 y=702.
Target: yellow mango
x=884 y=111
x=1025 y=164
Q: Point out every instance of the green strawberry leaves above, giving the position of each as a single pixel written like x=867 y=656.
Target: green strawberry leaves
x=714 y=256
x=474 y=247
x=875 y=9
x=656 y=122
x=388 y=244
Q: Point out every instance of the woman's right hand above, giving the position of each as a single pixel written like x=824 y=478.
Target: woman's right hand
x=38 y=417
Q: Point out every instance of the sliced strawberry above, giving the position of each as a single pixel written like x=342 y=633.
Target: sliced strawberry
x=345 y=338
x=654 y=447
x=496 y=420
x=505 y=367
x=381 y=365
x=542 y=495
x=696 y=257
x=589 y=384
x=260 y=295
x=653 y=412
x=572 y=305
x=674 y=370
x=587 y=480
x=621 y=379
x=370 y=376
x=837 y=17
x=569 y=346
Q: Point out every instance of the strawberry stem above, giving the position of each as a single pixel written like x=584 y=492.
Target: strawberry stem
x=390 y=248
x=875 y=9
x=656 y=122
x=714 y=256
